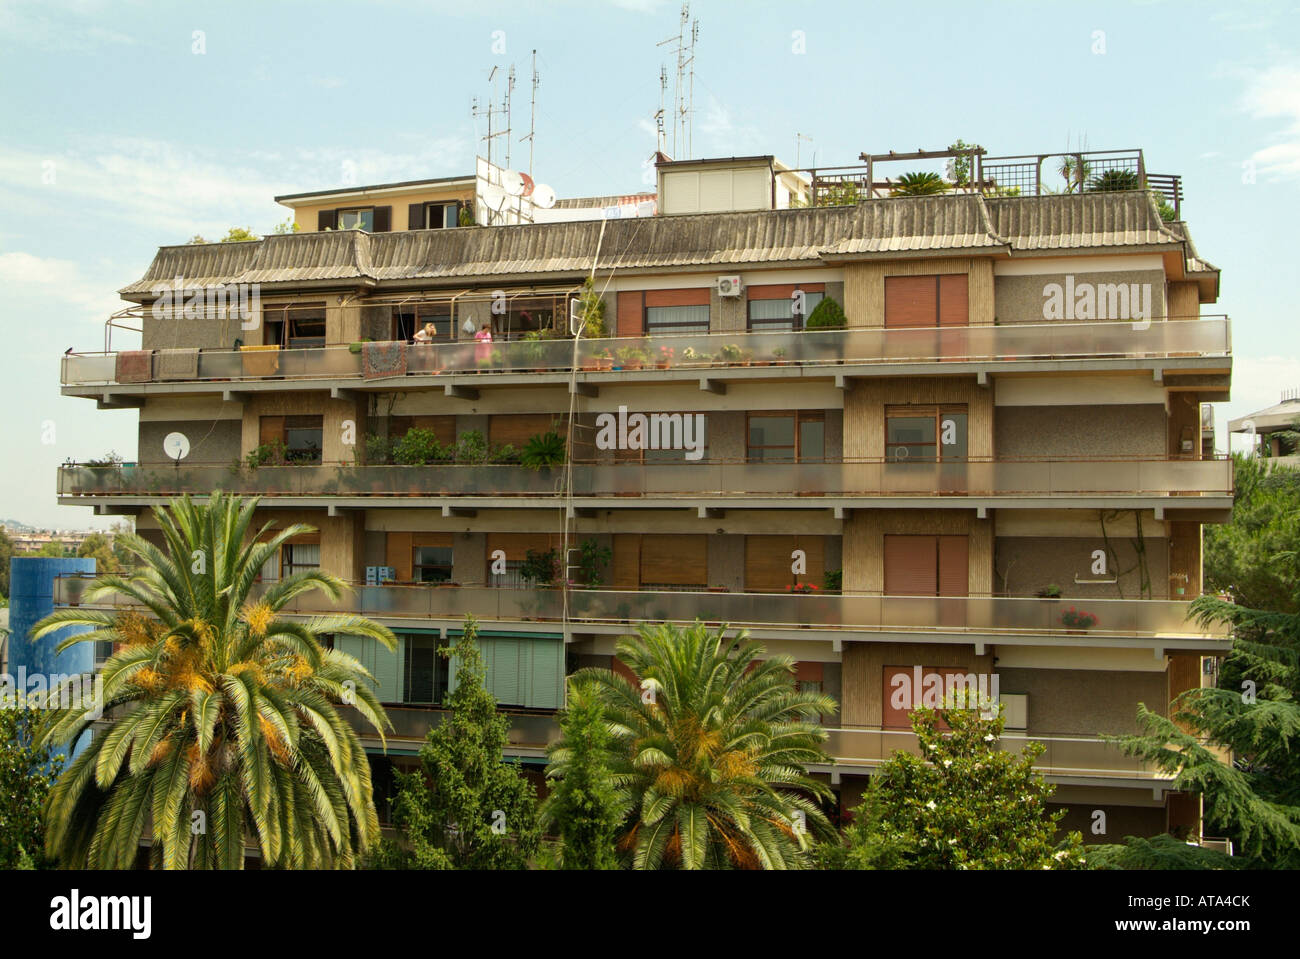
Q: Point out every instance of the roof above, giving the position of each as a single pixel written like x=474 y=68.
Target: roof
x=1279 y=416
x=373 y=188
x=880 y=228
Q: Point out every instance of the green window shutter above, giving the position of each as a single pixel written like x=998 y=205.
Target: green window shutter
x=545 y=674
x=503 y=671
x=388 y=670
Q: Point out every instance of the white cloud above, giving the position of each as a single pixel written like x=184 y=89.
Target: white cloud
x=1274 y=94
x=29 y=25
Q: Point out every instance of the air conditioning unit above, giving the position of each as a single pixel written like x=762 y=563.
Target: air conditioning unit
x=729 y=286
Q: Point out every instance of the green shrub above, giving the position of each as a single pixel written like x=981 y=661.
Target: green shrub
x=827 y=315
x=542 y=450
x=417 y=448
x=471 y=447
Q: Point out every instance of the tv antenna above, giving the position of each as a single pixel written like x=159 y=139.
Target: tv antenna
x=798 y=138
x=532 y=118
x=684 y=85
x=491 y=111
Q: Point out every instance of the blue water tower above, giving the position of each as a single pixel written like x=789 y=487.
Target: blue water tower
x=31 y=599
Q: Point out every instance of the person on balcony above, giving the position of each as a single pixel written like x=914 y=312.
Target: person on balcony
x=483 y=349
x=426 y=334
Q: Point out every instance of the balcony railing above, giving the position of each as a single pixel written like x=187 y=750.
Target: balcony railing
x=850 y=612
x=1185 y=479
x=1062 y=755
x=1205 y=336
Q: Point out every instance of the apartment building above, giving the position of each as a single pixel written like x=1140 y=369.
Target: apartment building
x=994 y=473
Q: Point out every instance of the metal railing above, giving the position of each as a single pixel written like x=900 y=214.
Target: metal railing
x=393 y=363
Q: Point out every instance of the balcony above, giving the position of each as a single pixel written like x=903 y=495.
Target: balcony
x=1187 y=484
x=1008 y=346
x=1022 y=621
x=853 y=748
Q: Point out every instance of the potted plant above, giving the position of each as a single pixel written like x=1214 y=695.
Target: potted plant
x=629 y=357
x=666 y=355
x=540 y=569
x=779 y=355
x=1076 y=620
x=1049 y=592
x=543 y=450
x=730 y=354
x=833 y=580
x=802 y=588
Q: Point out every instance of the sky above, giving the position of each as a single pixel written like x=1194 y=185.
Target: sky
x=128 y=125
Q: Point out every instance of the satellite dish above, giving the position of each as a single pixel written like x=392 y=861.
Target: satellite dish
x=494 y=196
x=543 y=196
x=177 y=446
x=529 y=185
x=512 y=182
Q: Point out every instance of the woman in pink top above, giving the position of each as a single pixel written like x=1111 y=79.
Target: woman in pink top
x=483 y=350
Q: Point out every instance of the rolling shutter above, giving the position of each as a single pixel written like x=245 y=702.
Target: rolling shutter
x=631 y=319
x=517 y=428
x=415 y=216
x=398 y=555
x=910 y=301
x=768 y=561
x=522 y=670
x=675 y=560
x=625 y=569
x=693 y=297
x=270 y=429
x=954 y=305
x=911 y=565
x=517 y=545
x=383 y=219
x=327 y=220
x=953 y=576
x=781 y=291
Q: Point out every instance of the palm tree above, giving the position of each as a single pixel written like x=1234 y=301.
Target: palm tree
x=709 y=752
x=919 y=184
x=226 y=730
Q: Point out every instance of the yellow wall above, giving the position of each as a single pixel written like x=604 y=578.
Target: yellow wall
x=306 y=216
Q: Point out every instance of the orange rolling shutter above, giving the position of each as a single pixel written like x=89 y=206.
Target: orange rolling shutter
x=398 y=555
x=911 y=301
x=675 y=560
x=631 y=321
x=954 y=305
x=768 y=560
x=625 y=569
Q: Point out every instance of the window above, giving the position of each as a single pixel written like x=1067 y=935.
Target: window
x=776 y=308
x=426 y=672
x=297 y=557
x=304 y=437
x=925 y=434
x=362 y=219
x=919 y=301
x=673 y=435
x=296 y=326
x=664 y=311
x=432 y=564
x=435 y=216
x=786 y=437
x=410 y=318
x=676 y=319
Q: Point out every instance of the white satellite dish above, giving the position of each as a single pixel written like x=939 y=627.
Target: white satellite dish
x=177 y=446
x=543 y=196
x=512 y=182
x=494 y=196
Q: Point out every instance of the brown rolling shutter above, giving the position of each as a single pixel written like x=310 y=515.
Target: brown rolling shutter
x=910 y=301
x=327 y=220
x=674 y=560
x=631 y=319
x=430 y=539
x=806 y=672
x=517 y=545
x=517 y=428
x=694 y=297
x=911 y=565
x=383 y=219
x=270 y=429
x=954 y=578
x=398 y=555
x=443 y=427
x=415 y=216
x=625 y=570
x=891 y=715
x=954 y=306
x=768 y=561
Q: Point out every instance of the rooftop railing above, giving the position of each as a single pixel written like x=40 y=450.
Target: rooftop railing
x=814 y=611
x=384 y=363
x=715 y=480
